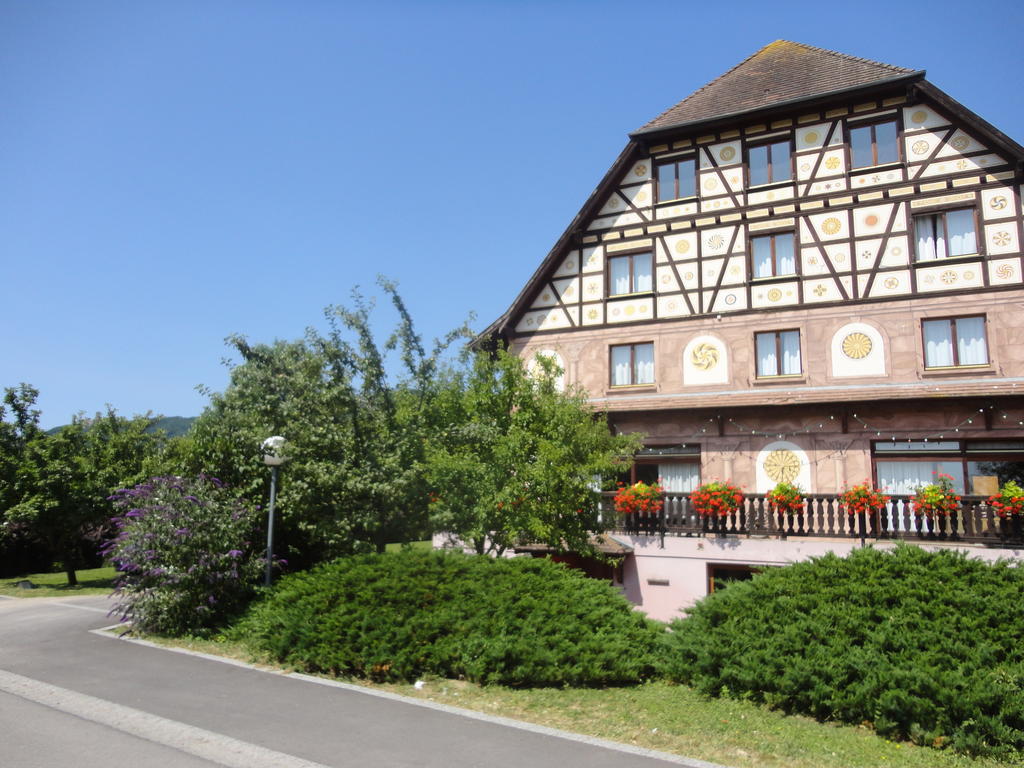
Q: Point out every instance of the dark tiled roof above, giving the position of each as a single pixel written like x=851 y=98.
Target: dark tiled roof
x=780 y=72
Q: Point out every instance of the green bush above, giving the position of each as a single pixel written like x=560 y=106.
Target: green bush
x=517 y=622
x=923 y=646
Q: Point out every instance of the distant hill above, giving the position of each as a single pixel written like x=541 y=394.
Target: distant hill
x=174 y=426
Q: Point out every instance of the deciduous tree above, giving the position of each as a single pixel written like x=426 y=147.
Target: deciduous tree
x=517 y=459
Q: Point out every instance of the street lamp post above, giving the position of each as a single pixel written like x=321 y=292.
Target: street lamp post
x=273 y=456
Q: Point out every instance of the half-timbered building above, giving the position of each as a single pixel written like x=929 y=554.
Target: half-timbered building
x=808 y=270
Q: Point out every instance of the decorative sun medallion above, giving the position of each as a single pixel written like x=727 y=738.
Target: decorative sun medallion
x=1001 y=238
x=730 y=299
x=592 y=314
x=727 y=154
x=812 y=260
x=704 y=356
x=857 y=346
x=960 y=143
x=896 y=251
x=891 y=282
x=871 y=220
x=831 y=225
x=710 y=184
x=919 y=147
x=998 y=202
x=688 y=276
x=866 y=255
x=643 y=309
x=838 y=258
x=666 y=279
x=782 y=466
x=820 y=290
x=682 y=246
x=641 y=197
x=529 y=321
x=1004 y=271
x=616 y=312
x=630 y=310
x=715 y=242
x=774 y=294
x=805 y=167
x=832 y=163
x=961 y=164
x=640 y=170
x=672 y=306
x=948 y=277
x=968 y=275
x=811 y=137
x=613 y=203
x=592 y=288
x=570 y=265
x=569 y=291
x=919 y=116
x=546 y=296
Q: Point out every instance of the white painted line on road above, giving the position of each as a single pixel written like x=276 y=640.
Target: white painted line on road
x=689 y=762
x=215 y=747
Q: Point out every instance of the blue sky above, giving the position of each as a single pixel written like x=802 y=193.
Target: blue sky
x=173 y=172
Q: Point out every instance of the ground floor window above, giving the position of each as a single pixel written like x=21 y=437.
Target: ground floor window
x=722 y=575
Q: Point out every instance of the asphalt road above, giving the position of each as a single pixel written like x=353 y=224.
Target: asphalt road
x=69 y=696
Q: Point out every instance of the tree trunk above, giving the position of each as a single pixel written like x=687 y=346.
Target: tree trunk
x=69 y=569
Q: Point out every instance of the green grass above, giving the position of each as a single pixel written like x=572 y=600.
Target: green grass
x=414 y=545
x=93 y=581
x=666 y=717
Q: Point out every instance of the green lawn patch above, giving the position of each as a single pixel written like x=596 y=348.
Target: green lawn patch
x=93 y=581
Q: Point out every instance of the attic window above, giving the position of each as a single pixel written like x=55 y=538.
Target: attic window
x=677 y=179
x=874 y=144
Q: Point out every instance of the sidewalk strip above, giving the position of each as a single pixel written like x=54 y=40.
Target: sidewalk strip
x=219 y=749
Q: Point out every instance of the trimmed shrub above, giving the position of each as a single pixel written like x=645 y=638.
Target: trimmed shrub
x=924 y=646
x=517 y=622
x=186 y=554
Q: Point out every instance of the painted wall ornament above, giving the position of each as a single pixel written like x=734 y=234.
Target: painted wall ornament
x=782 y=466
x=705 y=356
x=857 y=346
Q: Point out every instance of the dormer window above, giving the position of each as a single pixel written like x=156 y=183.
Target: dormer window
x=631 y=273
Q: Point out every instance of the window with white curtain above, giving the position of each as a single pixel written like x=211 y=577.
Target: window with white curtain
x=778 y=353
x=673 y=476
x=632 y=364
x=630 y=274
x=945 y=233
x=905 y=477
x=773 y=255
x=954 y=342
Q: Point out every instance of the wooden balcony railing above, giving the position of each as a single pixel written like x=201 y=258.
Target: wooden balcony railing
x=824 y=517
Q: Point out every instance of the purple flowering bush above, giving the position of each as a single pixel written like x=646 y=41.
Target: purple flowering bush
x=186 y=552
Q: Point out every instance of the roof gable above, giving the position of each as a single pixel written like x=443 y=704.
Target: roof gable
x=780 y=72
